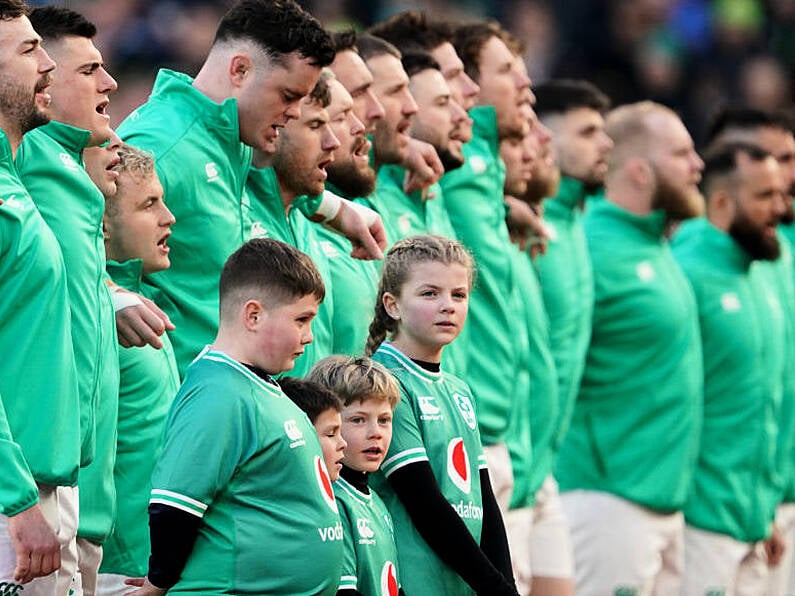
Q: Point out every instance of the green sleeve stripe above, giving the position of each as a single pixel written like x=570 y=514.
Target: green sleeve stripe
x=167 y=497
x=348 y=581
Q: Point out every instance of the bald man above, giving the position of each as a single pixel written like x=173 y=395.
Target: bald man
x=626 y=464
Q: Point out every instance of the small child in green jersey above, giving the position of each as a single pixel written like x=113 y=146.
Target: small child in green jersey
x=369 y=394
x=448 y=528
x=241 y=499
x=323 y=408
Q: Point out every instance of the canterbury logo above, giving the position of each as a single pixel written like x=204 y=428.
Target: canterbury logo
x=10 y=589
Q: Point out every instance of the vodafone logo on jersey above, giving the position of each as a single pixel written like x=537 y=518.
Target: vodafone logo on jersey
x=458 y=464
x=324 y=483
x=389 y=583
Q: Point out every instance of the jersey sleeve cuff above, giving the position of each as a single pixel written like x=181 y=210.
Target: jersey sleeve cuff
x=178 y=501
x=348 y=582
x=404 y=458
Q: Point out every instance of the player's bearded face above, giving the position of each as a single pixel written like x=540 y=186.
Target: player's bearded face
x=19 y=103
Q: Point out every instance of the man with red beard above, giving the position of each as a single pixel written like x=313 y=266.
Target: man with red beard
x=773 y=133
x=735 y=491
x=626 y=463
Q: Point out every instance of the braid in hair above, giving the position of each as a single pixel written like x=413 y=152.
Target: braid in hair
x=397 y=267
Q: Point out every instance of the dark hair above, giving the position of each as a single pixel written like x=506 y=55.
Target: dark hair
x=13 y=9
x=469 y=40
x=53 y=22
x=278 y=27
x=412 y=31
x=397 y=268
x=344 y=40
x=558 y=96
x=321 y=93
x=268 y=270
x=371 y=46
x=312 y=398
x=416 y=62
x=723 y=160
x=747 y=118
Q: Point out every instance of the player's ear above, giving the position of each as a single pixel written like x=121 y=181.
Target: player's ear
x=253 y=314
x=391 y=305
x=241 y=68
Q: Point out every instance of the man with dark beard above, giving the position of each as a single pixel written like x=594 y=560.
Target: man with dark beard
x=626 y=464
x=39 y=405
x=735 y=491
x=304 y=149
x=773 y=133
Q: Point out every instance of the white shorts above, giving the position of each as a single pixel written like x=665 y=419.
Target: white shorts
x=89 y=558
x=59 y=507
x=498 y=461
x=719 y=564
x=112 y=584
x=621 y=547
x=539 y=539
x=780 y=580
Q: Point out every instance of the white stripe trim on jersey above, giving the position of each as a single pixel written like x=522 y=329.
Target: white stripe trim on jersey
x=349 y=581
x=184 y=508
x=403 y=464
x=410 y=366
x=217 y=356
x=173 y=495
x=420 y=450
x=355 y=493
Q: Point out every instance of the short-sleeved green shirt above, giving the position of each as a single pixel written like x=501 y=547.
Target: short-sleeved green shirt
x=434 y=421
x=245 y=459
x=370 y=561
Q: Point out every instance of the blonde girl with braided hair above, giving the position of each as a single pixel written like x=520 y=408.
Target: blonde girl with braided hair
x=448 y=529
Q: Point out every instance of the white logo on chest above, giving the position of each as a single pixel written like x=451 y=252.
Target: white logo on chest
x=730 y=302
x=68 y=161
x=211 y=171
x=645 y=271
x=478 y=164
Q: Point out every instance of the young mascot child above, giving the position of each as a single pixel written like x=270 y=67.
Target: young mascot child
x=241 y=499
x=448 y=528
x=323 y=408
x=369 y=394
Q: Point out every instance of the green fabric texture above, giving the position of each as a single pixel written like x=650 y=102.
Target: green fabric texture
x=735 y=488
x=566 y=279
x=637 y=420
x=149 y=380
x=474 y=198
x=37 y=340
x=50 y=163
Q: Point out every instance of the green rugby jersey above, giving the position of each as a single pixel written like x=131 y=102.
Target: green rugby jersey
x=636 y=423
x=50 y=163
x=18 y=490
x=473 y=195
x=149 y=380
x=434 y=421
x=36 y=339
x=370 y=561
x=242 y=457
x=734 y=489
x=567 y=286
x=202 y=166
x=532 y=431
x=269 y=220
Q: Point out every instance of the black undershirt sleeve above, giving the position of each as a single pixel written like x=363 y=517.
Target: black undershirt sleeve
x=172 y=534
x=493 y=539
x=445 y=532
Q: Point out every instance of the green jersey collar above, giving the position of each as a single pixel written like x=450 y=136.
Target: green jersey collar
x=651 y=225
x=127 y=274
x=69 y=137
x=571 y=193
x=722 y=248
